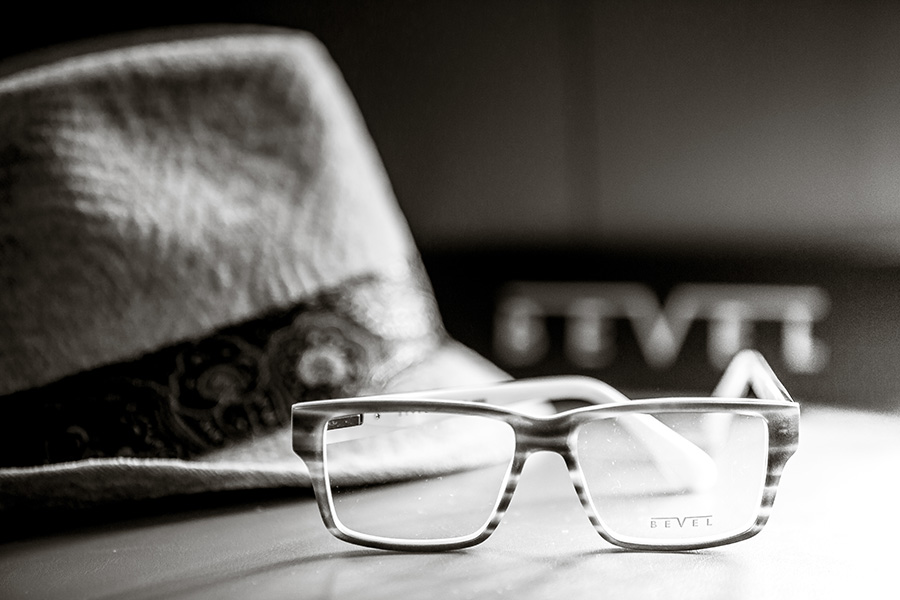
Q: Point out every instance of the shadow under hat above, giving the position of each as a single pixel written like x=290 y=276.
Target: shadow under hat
x=195 y=233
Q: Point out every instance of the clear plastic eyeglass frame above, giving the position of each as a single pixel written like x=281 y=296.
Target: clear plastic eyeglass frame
x=688 y=512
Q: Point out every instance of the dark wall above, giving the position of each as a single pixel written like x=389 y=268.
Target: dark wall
x=631 y=124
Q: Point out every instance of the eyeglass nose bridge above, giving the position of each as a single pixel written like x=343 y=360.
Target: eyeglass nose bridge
x=536 y=434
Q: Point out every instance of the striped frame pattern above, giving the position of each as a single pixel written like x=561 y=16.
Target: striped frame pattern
x=555 y=433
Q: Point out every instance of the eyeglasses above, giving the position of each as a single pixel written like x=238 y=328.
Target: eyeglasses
x=436 y=470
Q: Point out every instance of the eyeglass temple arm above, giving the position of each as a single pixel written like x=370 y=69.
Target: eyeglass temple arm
x=749 y=371
x=683 y=463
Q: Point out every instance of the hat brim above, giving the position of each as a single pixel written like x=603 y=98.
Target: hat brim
x=264 y=462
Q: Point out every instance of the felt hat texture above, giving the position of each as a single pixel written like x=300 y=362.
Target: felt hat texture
x=196 y=232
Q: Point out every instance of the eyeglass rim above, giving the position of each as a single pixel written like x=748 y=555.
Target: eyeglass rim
x=748 y=370
x=311 y=418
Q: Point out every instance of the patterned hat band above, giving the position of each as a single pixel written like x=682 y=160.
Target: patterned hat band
x=198 y=396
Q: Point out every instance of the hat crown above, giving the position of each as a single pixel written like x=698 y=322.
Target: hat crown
x=153 y=194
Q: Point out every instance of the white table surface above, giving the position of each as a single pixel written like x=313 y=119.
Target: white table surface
x=834 y=533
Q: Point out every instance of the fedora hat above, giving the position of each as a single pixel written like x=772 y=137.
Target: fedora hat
x=196 y=232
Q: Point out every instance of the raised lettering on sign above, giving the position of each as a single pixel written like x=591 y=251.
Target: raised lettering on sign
x=589 y=310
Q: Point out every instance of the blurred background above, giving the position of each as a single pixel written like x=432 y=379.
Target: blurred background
x=626 y=189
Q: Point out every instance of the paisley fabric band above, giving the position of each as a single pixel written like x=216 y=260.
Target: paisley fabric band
x=198 y=396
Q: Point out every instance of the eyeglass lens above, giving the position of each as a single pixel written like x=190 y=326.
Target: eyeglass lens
x=452 y=470
x=449 y=472
x=644 y=494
